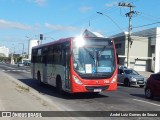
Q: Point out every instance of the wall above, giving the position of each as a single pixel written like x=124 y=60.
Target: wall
x=139 y=51
x=157 y=51
x=31 y=44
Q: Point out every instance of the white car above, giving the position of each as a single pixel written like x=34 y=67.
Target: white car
x=20 y=64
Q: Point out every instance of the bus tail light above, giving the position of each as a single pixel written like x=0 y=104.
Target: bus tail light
x=114 y=79
x=77 y=80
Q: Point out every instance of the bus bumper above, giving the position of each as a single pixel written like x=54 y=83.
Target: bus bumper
x=94 y=88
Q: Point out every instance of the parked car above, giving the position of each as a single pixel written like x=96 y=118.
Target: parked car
x=130 y=77
x=20 y=64
x=152 y=87
x=28 y=63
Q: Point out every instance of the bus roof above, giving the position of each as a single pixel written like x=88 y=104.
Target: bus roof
x=64 y=40
x=54 y=42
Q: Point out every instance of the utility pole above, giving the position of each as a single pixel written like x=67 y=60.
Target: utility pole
x=129 y=14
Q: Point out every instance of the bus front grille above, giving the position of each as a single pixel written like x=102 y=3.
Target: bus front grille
x=92 y=88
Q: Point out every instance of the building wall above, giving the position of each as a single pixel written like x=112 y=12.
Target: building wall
x=139 y=46
x=145 y=50
x=154 y=49
x=31 y=44
x=138 y=53
x=157 y=51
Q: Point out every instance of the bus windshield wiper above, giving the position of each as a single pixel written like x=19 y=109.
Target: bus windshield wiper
x=89 y=53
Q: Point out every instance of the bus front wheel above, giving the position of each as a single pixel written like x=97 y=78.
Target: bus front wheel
x=59 y=86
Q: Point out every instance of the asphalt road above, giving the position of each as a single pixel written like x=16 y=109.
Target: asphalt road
x=124 y=99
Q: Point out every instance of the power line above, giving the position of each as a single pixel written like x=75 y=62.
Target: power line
x=151 y=16
x=92 y=17
x=146 y=25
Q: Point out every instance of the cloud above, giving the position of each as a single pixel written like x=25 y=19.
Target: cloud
x=111 y=4
x=60 y=27
x=38 y=2
x=15 y=25
x=85 y=8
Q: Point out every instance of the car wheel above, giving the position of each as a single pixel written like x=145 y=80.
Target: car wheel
x=148 y=93
x=126 y=83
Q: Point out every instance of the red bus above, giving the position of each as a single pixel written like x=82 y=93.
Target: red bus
x=82 y=64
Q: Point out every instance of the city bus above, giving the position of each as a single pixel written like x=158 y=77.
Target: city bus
x=73 y=65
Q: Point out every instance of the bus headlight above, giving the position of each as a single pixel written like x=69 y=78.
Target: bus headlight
x=77 y=80
x=114 y=79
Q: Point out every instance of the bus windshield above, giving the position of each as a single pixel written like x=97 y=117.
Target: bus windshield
x=95 y=57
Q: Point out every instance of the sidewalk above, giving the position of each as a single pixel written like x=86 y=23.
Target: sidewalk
x=17 y=97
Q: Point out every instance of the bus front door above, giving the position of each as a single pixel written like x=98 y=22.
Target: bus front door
x=67 y=66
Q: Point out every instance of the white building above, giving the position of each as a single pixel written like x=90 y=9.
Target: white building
x=144 y=52
x=4 y=52
x=153 y=35
x=31 y=44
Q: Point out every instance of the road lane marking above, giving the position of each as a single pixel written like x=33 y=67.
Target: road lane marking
x=7 y=67
x=28 y=71
x=147 y=102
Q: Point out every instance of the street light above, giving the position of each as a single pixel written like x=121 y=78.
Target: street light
x=111 y=20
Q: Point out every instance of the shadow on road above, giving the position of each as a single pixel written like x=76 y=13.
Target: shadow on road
x=138 y=95
x=51 y=91
x=131 y=86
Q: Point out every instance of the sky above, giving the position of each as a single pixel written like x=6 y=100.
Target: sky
x=21 y=20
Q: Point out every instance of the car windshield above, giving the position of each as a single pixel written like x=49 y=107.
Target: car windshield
x=94 y=57
x=131 y=72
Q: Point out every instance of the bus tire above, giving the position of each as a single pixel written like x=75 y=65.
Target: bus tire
x=39 y=79
x=59 y=85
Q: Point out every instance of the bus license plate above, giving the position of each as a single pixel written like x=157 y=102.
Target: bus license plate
x=97 y=90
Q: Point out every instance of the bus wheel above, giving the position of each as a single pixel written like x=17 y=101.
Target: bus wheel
x=59 y=86
x=39 y=78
